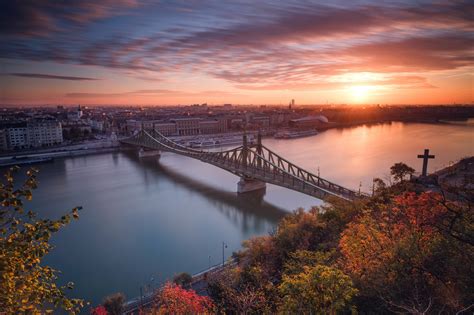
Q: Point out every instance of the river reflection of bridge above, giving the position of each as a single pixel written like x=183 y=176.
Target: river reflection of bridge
x=248 y=211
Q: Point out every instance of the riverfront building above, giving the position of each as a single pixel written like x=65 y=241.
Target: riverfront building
x=187 y=126
x=181 y=126
x=44 y=133
x=30 y=134
x=3 y=140
x=166 y=128
x=309 y=122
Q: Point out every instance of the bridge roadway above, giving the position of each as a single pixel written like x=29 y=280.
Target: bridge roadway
x=255 y=164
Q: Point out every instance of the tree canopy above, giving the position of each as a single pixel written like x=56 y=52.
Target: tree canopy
x=400 y=170
x=28 y=286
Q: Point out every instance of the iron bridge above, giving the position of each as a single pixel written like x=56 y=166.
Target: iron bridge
x=253 y=163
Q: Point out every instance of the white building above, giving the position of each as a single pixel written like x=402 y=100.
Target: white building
x=44 y=133
x=35 y=133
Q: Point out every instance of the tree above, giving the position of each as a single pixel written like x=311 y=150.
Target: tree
x=173 y=299
x=317 y=290
x=99 y=310
x=400 y=170
x=401 y=253
x=303 y=258
x=183 y=279
x=379 y=186
x=114 y=303
x=236 y=291
x=27 y=286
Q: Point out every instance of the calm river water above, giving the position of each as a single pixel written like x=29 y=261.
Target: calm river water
x=144 y=221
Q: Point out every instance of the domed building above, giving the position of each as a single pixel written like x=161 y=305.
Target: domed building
x=309 y=121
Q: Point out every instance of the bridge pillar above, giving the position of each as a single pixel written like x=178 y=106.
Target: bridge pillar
x=142 y=153
x=249 y=184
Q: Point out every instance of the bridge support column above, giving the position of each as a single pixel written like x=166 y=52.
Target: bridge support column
x=249 y=184
x=142 y=153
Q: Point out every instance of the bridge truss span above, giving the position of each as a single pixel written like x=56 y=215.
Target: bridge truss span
x=251 y=162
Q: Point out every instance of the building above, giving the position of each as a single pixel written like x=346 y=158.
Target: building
x=279 y=118
x=187 y=126
x=181 y=126
x=309 y=122
x=17 y=136
x=83 y=126
x=75 y=115
x=44 y=133
x=261 y=121
x=166 y=128
x=31 y=134
x=209 y=126
x=131 y=125
x=97 y=125
x=237 y=123
x=3 y=140
x=74 y=129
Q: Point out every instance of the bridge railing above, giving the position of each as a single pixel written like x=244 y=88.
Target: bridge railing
x=310 y=177
x=272 y=168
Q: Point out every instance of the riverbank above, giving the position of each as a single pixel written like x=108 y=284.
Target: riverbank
x=335 y=125
x=34 y=158
x=459 y=174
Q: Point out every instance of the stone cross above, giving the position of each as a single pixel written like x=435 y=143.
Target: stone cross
x=425 y=156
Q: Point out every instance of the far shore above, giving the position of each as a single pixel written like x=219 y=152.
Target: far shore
x=86 y=149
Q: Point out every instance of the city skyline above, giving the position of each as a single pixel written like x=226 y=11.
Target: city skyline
x=169 y=53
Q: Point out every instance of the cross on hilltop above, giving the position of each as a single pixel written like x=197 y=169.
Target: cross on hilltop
x=425 y=156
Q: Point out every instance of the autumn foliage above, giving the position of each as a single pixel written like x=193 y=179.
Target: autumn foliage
x=404 y=250
x=378 y=235
x=99 y=310
x=173 y=299
x=27 y=285
x=401 y=252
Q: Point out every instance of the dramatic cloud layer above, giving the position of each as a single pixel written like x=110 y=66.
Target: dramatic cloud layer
x=50 y=76
x=299 y=46
x=33 y=18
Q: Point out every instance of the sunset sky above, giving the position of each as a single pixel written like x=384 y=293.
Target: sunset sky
x=246 y=52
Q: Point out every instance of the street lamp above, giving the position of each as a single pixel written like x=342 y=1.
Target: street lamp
x=224 y=245
x=141 y=295
x=151 y=284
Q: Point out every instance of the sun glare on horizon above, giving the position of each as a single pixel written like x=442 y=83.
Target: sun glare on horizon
x=360 y=93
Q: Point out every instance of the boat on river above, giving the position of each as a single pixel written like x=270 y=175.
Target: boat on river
x=291 y=134
x=219 y=142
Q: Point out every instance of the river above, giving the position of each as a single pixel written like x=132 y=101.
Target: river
x=145 y=220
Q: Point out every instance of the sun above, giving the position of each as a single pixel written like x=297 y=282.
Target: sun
x=360 y=93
